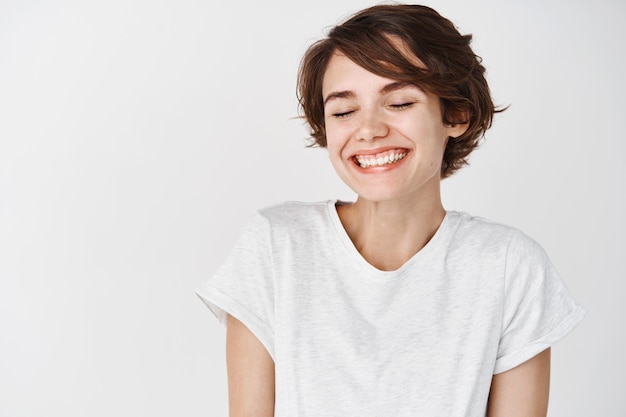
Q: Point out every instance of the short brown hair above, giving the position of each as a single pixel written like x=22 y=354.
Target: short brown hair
x=451 y=70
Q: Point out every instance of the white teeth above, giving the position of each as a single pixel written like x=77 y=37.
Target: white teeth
x=366 y=162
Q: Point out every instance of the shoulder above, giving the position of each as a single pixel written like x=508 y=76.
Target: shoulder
x=294 y=228
x=291 y=215
x=485 y=237
x=481 y=232
x=294 y=208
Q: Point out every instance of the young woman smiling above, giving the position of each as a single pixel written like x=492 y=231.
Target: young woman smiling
x=390 y=305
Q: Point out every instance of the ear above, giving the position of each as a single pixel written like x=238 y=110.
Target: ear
x=456 y=129
x=458 y=125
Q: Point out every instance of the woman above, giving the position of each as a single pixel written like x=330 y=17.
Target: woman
x=390 y=305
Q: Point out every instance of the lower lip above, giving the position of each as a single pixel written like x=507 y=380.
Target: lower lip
x=382 y=168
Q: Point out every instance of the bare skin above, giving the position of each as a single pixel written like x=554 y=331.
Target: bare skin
x=384 y=235
x=399 y=207
x=250 y=373
x=523 y=391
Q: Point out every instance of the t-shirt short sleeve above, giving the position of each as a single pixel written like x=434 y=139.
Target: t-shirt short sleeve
x=538 y=309
x=243 y=285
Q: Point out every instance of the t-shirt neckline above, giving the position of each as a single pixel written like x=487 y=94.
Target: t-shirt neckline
x=422 y=255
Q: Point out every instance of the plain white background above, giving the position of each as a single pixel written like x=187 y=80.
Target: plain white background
x=137 y=136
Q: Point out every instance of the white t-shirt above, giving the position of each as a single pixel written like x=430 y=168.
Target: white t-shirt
x=348 y=339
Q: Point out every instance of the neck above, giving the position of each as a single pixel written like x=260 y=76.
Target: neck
x=389 y=233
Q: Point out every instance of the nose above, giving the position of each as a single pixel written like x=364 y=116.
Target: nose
x=371 y=126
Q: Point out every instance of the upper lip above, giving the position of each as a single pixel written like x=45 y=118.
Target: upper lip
x=365 y=152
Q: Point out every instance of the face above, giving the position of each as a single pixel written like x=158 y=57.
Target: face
x=385 y=138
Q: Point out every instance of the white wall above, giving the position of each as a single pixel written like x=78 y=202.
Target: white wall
x=137 y=136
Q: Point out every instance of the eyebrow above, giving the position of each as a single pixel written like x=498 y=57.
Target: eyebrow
x=396 y=85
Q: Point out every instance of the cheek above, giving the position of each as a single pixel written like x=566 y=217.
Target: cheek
x=335 y=148
x=335 y=156
x=333 y=142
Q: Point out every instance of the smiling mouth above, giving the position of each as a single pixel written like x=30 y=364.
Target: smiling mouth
x=380 y=159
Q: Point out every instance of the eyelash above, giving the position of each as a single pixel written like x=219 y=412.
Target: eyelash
x=402 y=105
x=343 y=114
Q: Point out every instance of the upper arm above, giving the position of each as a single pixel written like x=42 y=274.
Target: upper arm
x=250 y=373
x=522 y=391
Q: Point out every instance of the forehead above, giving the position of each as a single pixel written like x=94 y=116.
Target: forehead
x=341 y=68
x=343 y=73
x=344 y=78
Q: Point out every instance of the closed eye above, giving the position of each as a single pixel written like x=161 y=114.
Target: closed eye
x=401 y=105
x=341 y=115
